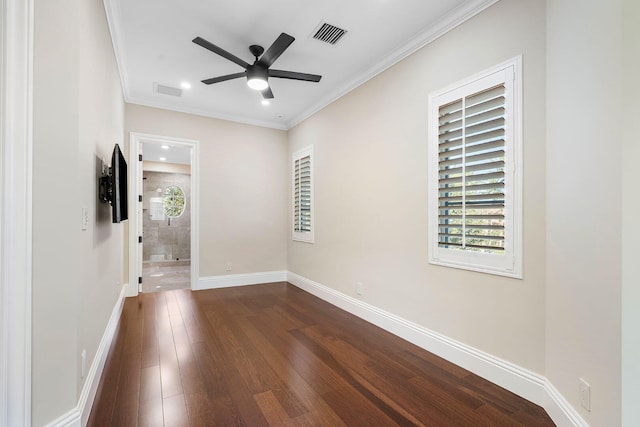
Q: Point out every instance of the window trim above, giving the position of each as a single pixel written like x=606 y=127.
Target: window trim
x=306 y=237
x=509 y=264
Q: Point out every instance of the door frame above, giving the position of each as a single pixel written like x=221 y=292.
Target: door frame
x=136 y=139
x=16 y=170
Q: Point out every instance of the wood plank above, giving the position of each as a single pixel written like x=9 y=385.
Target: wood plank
x=355 y=409
x=126 y=404
x=175 y=411
x=216 y=380
x=272 y=410
x=149 y=334
x=189 y=372
x=169 y=368
x=200 y=409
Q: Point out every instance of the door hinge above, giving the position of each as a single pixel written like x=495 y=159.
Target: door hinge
x=139 y=279
x=139 y=157
x=140 y=198
x=139 y=239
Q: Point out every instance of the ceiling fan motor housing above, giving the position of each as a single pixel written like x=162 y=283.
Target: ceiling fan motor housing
x=257 y=75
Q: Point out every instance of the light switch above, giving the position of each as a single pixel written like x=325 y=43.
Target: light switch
x=85 y=218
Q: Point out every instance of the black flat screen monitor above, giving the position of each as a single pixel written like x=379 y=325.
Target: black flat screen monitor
x=119 y=208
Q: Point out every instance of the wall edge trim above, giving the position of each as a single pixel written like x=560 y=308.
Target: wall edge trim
x=529 y=385
x=16 y=210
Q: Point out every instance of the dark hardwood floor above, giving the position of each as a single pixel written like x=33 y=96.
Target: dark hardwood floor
x=274 y=355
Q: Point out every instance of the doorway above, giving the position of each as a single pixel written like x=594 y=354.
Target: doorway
x=166 y=217
x=164 y=229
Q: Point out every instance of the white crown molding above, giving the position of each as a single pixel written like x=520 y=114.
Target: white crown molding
x=78 y=416
x=527 y=384
x=226 y=281
x=429 y=34
x=198 y=112
x=113 y=16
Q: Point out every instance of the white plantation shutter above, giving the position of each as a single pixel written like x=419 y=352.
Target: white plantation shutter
x=471 y=172
x=302 y=195
x=472 y=143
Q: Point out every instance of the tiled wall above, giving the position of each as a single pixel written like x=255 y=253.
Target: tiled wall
x=161 y=241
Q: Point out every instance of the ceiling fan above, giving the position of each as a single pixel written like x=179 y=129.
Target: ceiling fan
x=258 y=73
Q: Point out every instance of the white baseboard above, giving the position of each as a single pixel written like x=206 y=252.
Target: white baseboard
x=78 y=416
x=529 y=385
x=560 y=410
x=226 y=281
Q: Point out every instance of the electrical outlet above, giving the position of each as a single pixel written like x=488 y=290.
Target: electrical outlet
x=585 y=395
x=229 y=266
x=84 y=362
x=359 y=288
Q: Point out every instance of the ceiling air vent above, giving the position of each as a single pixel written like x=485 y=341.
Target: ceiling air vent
x=329 y=33
x=167 y=90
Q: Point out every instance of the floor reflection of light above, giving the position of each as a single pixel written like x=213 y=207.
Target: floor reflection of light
x=300 y=364
x=183 y=352
x=168 y=374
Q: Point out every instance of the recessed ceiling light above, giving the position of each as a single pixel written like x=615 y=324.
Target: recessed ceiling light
x=185 y=85
x=163 y=159
x=265 y=102
x=165 y=147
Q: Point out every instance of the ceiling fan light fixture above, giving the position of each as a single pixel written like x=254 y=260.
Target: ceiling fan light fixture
x=257 y=84
x=257 y=77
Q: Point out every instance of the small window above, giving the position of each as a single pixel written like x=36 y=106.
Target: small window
x=303 y=195
x=173 y=201
x=474 y=173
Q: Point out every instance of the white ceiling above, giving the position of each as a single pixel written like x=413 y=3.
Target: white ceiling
x=152 y=40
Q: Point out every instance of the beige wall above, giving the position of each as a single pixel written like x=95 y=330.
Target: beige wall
x=243 y=188
x=371 y=192
x=584 y=201
x=77 y=275
x=630 y=209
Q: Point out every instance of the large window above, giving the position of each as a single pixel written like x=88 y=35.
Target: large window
x=475 y=173
x=303 y=195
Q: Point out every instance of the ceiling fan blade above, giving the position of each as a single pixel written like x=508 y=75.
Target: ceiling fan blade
x=267 y=94
x=275 y=50
x=294 y=75
x=215 y=49
x=224 y=78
